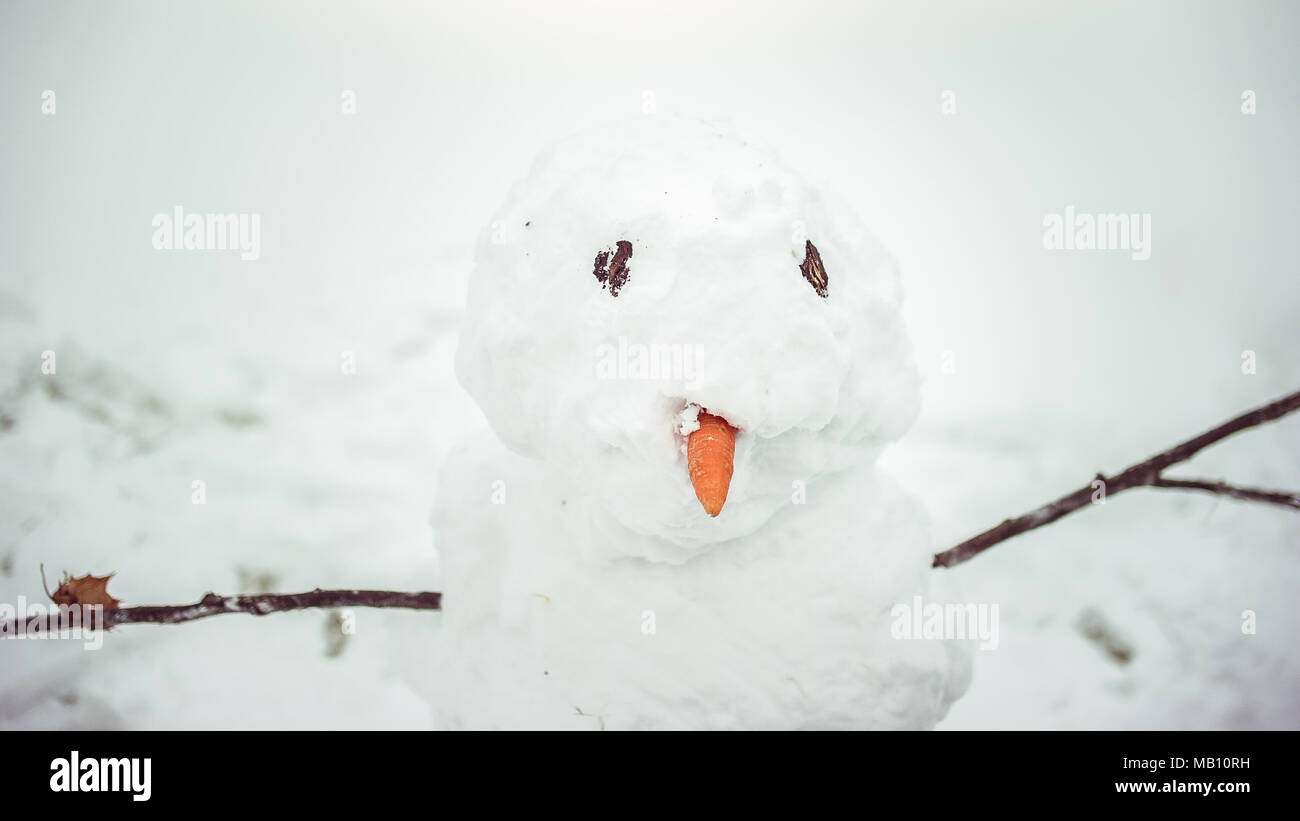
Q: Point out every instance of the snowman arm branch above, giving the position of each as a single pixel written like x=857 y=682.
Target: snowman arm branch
x=255 y=605
x=261 y=605
x=1143 y=474
x=1247 y=494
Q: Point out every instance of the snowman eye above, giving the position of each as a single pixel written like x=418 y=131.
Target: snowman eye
x=812 y=268
x=615 y=275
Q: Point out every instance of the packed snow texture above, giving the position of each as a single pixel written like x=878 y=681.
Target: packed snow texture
x=718 y=229
x=1039 y=368
x=596 y=577
x=786 y=628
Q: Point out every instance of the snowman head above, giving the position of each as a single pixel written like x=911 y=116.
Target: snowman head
x=659 y=267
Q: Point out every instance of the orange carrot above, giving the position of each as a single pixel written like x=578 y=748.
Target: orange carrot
x=710 y=452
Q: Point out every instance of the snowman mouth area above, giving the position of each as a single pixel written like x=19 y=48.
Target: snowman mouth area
x=710 y=460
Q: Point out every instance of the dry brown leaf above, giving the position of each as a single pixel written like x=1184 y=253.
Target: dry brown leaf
x=87 y=589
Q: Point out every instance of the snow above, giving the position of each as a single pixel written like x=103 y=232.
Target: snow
x=772 y=591
x=815 y=385
x=1169 y=573
x=688 y=421
x=786 y=628
x=175 y=366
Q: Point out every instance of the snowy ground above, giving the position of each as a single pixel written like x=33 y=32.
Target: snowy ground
x=181 y=366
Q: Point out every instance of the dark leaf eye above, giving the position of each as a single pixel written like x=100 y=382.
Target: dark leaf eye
x=813 y=270
x=615 y=275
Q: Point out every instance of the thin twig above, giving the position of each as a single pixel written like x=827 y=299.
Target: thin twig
x=1143 y=474
x=261 y=605
x=214 y=605
x=1247 y=494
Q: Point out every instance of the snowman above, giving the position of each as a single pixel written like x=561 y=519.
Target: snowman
x=690 y=361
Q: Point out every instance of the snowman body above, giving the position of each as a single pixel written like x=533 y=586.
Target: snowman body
x=644 y=271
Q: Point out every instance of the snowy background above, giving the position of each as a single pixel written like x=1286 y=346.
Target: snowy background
x=177 y=366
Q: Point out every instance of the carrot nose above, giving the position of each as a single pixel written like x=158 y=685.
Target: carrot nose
x=710 y=454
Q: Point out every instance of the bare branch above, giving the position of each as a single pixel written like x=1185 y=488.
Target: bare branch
x=261 y=605
x=1248 y=494
x=1143 y=474
x=213 y=605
